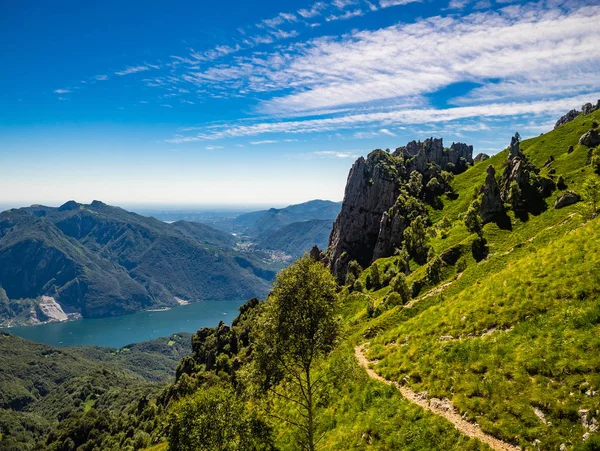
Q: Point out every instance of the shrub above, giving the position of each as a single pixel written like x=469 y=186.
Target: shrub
x=359 y=286
x=389 y=275
x=434 y=270
x=473 y=220
x=416 y=239
x=400 y=287
x=560 y=184
x=373 y=278
x=393 y=299
x=595 y=160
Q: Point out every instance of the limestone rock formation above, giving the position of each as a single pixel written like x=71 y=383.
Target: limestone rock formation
x=481 y=157
x=568 y=198
x=590 y=139
x=374 y=215
x=418 y=155
x=371 y=190
x=491 y=201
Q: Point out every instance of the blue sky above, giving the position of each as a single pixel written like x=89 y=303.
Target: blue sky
x=265 y=102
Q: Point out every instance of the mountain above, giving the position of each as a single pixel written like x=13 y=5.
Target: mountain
x=260 y=222
x=96 y=260
x=297 y=238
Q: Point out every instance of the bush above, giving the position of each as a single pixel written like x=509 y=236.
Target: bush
x=373 y=278
x=389 y=275
x=359 y=286
x=400 y=287
x=434 y=270
x=393 y=299
x=595 y=160
x=472 y=219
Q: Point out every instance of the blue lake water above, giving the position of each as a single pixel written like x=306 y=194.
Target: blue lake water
x=122 y=330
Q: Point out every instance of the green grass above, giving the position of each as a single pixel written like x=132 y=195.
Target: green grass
x=524 y=323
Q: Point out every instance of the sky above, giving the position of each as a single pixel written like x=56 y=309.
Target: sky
x=270 y=102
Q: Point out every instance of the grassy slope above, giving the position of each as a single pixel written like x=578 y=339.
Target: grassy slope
x=538 y=288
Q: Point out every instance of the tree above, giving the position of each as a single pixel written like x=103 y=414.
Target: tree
x=416 y=240
x=415 y=183
x=434 y=269
x=296 y=329
x=473 y=220
x=591 y=189
x=374 y=282
x=215 y=419
x=400 y=286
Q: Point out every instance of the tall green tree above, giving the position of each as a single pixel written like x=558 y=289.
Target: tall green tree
x=473 y=220
x=297 y=328
x=416 y=240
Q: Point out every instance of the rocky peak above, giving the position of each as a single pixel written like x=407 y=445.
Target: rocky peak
x=491 y=201
x=514 y=148
x=374 y=214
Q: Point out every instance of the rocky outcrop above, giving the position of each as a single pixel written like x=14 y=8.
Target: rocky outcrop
x=374 y=214
x=481 y=157
x=590 y=139
x=585 y=109
x=418 y=155
x=514 y=148
x=521 y=185
x=371 y=190
x=571 y=115
x=566 y=199
x=491 y=202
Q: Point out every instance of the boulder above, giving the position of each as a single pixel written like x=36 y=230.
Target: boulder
x=491 y=201
x=570 y=149
x=568 y=198
x=587 y=108
x=590 y=139
x=481 y=157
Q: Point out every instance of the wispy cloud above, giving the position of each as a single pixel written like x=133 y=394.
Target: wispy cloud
x=314 y=10
x=213 y=147
x=335 y=154
x=403 y=116
x=134 y=70
x=266 y=141
x=62 y=91
x=389 y=3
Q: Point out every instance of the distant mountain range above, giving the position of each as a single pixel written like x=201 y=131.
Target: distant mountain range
x=95 y=260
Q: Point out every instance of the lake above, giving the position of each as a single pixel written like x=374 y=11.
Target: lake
x=119 y=331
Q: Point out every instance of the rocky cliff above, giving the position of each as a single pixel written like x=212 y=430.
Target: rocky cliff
x=378 y=205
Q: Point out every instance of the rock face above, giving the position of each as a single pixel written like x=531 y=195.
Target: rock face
x=371 y=190
x=590 y=139
x=514 y=148
x=567 y=118
x=418 y=155
x=491 y=201
x=568 y=198
x=585 y=109
x=481 y=157
x=373 y=215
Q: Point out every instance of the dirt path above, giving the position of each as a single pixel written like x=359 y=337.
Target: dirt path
x=433 y=291
x=442 y=408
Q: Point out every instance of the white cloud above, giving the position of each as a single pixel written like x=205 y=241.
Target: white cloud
x=335 y=154
x=341 y=4
x=62 y=91
x=315 y=10
x=389 y=3
x=101 y=77
x=266 y=141
x=133 y=70
x=393 y=118
x=213 y=147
